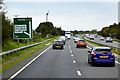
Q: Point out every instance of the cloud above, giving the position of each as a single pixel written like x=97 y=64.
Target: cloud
x=70 y=16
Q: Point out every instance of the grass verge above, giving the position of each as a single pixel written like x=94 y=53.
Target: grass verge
x=117 y=40
x=10 y=60
x=114 y=50
x=14 y=44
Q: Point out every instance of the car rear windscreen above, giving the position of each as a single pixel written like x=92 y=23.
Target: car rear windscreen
x=81 y=40
x=103 y=51
x=57 y=42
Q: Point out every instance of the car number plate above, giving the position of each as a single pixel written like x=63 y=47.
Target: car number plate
x=82 y=43
x=57 y=46
x=103 y=56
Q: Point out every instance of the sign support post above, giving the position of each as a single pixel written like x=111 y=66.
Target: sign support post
x=27 y=41
x=18 y=41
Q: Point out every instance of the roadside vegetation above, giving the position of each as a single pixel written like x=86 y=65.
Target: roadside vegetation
x=14 y=58
x=44 y=31
x=117 y=40
x=112 y=31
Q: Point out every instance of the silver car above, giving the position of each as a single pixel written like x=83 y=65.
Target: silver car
x=109 y=39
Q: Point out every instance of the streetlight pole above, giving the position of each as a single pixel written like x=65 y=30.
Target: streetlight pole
x=47 y=16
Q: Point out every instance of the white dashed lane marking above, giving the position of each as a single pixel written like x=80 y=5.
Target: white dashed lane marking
x=78 y=72
x=74 y=61
x=72 y=55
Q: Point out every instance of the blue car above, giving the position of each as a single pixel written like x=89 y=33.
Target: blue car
x=99 y=55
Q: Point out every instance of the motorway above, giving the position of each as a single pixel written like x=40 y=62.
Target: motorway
x=97 y=40
x=71 y=62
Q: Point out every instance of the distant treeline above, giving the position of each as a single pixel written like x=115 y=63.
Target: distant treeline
x=111 y=31
x=47 y=28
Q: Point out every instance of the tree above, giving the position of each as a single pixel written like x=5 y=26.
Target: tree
x=7 y=29
x=75 y=32
x=59 y=31
x=44 y=28
x=112 y=30
x=105 y=32
x=118 y=32
x=54 y=32
x=94 y=31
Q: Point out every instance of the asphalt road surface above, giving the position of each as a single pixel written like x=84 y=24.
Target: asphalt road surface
x=114 y=44
x=71 y=62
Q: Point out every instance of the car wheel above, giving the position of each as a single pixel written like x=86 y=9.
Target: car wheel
x=76 y=46
x=88 y=61
x=112 y=65
x=92 y=63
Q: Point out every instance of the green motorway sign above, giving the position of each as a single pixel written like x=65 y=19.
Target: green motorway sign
x=22 y=28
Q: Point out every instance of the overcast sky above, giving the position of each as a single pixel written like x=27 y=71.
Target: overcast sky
x=77 y=15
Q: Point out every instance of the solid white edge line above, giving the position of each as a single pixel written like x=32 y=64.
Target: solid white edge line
x=78 y=72
x=89 y=47
x=28 y=63
x=117 y=62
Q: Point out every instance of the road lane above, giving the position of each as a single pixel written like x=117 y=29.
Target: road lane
x=52 y=64
x=81 y=55
x=68 y=63
x=115 y=44
x=97 y=39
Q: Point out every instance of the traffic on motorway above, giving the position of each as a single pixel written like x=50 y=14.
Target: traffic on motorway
x=92 y=37
x=59 y=40
x=97 y=55
x=65 y=58
x=102 y=40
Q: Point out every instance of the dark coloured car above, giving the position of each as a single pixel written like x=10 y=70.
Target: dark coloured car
x=109 y=39
x=57 y=45
x=100 y=55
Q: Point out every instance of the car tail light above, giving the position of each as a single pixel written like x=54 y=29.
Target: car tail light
x=77 y=43
x=94 y=54
x=53 y=43
x=61 y=43
x=113 y=55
